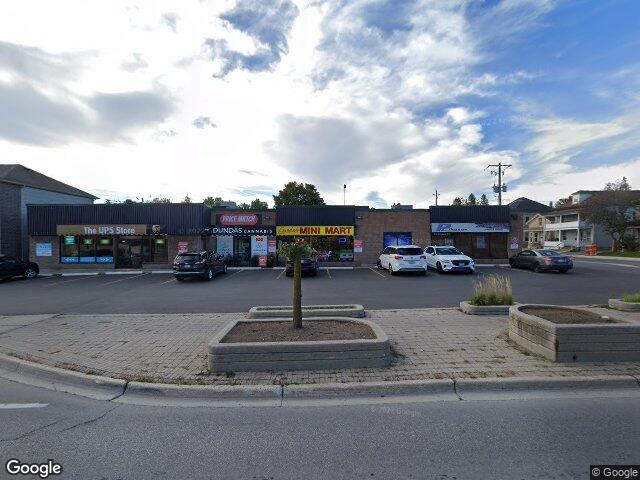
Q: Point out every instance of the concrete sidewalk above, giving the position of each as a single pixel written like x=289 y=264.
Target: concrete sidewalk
x=427 y=344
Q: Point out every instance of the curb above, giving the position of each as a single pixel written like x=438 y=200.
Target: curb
x=61 y=380
x=159 y=394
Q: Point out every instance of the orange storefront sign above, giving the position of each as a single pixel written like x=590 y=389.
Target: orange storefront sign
x=320 y=231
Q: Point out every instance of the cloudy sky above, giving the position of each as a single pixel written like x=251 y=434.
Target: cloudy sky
x=131 y=99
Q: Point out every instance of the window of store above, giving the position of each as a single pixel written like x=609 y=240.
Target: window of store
x=69 y=249
x=104 y=250
x=87 y=249
x=159 y=250
x=393 y=239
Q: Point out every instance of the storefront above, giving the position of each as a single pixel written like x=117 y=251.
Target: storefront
x=115 y=236
x=482 y=232
x=329 y=229
x=245 y=238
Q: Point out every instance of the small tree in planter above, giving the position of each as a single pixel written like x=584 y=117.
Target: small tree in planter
x=294 y=251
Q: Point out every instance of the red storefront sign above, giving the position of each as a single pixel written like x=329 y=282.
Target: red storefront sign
x=238 y=219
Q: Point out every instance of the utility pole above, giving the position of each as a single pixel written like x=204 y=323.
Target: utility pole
x=344 y=194
x=499 y=188
x=436 y=195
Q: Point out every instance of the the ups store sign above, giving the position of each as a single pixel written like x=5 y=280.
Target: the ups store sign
x=126 y=229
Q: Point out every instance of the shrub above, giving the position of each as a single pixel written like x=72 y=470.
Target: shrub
x=629 y=243
x=492 y=290
x=631 y=297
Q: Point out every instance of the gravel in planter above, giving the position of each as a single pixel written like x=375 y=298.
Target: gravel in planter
x=310 y=331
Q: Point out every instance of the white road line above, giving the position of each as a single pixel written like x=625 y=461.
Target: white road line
x=328 y=274
x=378 y=273
x=13 y=406
x=280 y=274
x=234 y=273
x=65 y=281
x=123 y=279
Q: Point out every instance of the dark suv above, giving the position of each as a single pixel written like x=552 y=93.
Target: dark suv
x=10 y=267
x=198 y=264
x=309 y=265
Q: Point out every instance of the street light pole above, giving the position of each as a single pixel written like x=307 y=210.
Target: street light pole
x=344 y=194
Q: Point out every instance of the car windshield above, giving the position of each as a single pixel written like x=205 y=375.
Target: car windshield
x=410 y=251
x=188 y=257
x=549 y=253
x=448 y=251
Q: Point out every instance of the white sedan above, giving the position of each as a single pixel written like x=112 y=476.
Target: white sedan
x=449 y=259
x=406 y=258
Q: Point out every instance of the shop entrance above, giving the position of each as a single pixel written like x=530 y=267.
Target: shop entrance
x=242 y=249
x=134 y=251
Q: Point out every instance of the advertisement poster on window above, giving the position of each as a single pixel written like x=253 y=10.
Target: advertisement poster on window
x=43 y=249
x=272 y=246
x=262 y=261
x=225 y=245
x=259 y=246
x=183 y=247
x=358 y=246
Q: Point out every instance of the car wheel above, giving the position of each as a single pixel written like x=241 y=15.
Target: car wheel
x=439 y=267
x=424 y=272
x=30 y=273
x=391 y=272
x=209 y=274
x=379 y=265
x=536 y=268
x=512 y=263
x=179 y=279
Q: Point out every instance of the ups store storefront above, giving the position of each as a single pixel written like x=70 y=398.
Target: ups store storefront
x=115 y=236
x=482 y=232
x=330 y=230
x=245 y=238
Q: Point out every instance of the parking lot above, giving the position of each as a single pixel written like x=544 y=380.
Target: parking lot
x=592 y=281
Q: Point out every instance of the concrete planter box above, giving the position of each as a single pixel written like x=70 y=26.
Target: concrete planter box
x=623 y=306
x=470 y=309
x=606 y=342
x=353 y=311
x=309 y=355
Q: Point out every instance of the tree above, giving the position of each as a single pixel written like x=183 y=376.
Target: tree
x=484 y=200
x=213 y=202
x=294 y=193
x=294 y=251
x=471 y=199
x=256 y=204
x=613 y=209
x=160 y=200
x=458 y=201
x=186 y=199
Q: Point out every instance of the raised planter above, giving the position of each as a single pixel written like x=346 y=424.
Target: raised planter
x=299 y=355
x=353 y=311
x=471 y=309
x=618 y=304
x=564 y=342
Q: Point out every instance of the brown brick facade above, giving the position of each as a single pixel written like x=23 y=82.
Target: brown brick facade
x=371 y=225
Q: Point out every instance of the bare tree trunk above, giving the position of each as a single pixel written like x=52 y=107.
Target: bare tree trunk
x=297 y=292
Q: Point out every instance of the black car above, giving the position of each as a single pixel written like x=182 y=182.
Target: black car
x=309 y=265
x=198 y=264
x=10 y=267
x=542 y=260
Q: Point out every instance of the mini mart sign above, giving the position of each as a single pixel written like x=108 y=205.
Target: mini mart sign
x=321 y=231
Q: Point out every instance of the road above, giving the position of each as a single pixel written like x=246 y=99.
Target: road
x=592 y=281
x=551 y=438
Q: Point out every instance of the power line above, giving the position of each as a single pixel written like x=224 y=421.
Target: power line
x=500 y=187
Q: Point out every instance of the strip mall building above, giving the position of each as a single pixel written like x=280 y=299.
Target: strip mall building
x=144 y=235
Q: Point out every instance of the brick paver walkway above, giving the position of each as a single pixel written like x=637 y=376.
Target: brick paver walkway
x=429 y=343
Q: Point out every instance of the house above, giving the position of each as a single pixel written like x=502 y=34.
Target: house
x=527 y=215
x=19 y=187
x=565 y=227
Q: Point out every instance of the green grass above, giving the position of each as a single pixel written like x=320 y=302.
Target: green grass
x=492 y=290
x=620 y=254
x=631 y=297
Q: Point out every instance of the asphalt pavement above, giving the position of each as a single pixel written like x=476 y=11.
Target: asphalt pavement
x=545 y=438
x=591 y=282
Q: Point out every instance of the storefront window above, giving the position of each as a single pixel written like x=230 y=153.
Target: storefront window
x=327 y=248
x=69 y=249
x=104 y=250
x=87 y=249
x=159 y=250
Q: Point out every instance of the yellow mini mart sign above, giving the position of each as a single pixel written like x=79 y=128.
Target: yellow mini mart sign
x=321 y=231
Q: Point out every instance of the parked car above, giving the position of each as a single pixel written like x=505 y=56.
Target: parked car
x=198 y=264
x=10 y=267
x=406 y=258
x=309 y=266
x=449 y=259
x=542 y=260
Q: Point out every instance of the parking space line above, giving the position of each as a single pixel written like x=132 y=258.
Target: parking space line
x=124 y=279
x=328 y=274
x=168 y=281
x=280 y=274
x=234 y=273
x=377 y=273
